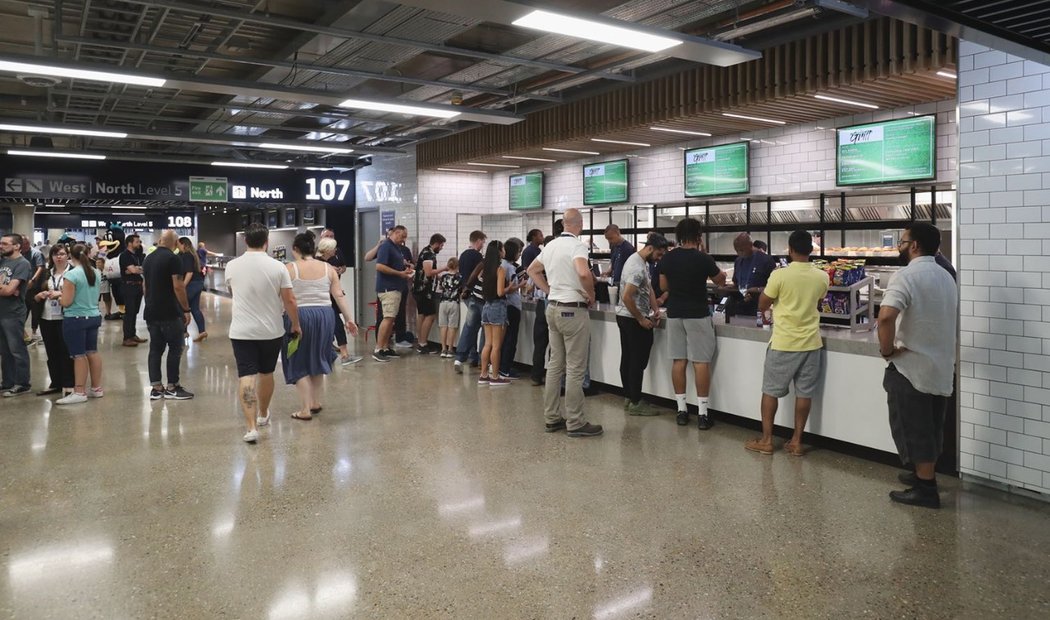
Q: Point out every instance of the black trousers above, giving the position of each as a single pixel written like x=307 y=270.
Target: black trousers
x=540 y=339
x=132 y=305
x=635 y=344
x=340 y=330
x=510 y=340
x=59 y=364
x=165 y=335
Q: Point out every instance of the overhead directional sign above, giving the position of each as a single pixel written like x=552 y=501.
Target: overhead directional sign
x=208 y=189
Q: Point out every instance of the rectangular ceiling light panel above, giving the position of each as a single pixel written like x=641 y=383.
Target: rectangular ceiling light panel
x=80 y=74
x=64 y=131
x=55 y=154
x=623 y=36
x=411 y=110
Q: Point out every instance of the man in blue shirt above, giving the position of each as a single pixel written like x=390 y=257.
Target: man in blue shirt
x=751 y=272
x=469 y=268
x=392 y=276
x=620 y=249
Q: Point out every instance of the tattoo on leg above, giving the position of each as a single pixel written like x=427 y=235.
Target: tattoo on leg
x=248 y=396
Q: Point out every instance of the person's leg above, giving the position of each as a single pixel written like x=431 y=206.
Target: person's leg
x=540 y=340
x=678 y=379
x=386 y=329
x=80 y=374
x=641 y=347
x=425 y=325
x=10 y=330
x=173 y=331
x=494 y=343
x=132 y=301
x=157 y=344
x=702 y=375
x=770 y=404
x=468 y=338
x=486 y=355
x=576 y=327
x=807 y=380
x=305 y=388
x=194 y=291
x=340 y=331
x=623 y=325
x=118 y=294
x=265 y=387
x=248 y=393
x=317 y=385
x=107 y=303
x=401 y=320
x=17 y=351
x=94 y=363
x=555 y=370
x=51 y=333
x=510 y=340
x=802 y=408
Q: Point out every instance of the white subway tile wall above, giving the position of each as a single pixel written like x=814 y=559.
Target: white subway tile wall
x=1004 y=216
x=445 y=195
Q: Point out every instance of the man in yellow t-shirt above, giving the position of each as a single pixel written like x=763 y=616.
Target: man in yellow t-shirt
x=796 y=350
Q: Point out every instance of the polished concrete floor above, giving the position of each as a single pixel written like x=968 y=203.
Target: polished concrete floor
x=417 y=495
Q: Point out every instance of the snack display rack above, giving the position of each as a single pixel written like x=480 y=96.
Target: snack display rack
x=860 y=311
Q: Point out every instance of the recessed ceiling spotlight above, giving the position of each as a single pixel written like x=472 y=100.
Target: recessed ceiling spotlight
x=620 y=142
x=859 y=104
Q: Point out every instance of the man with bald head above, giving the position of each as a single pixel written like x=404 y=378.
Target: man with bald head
x=563 y=273
x=167 y=315
x=751 y=272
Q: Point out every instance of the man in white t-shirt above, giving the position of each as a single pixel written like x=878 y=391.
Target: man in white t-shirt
x=262 y=295
x=563 y=273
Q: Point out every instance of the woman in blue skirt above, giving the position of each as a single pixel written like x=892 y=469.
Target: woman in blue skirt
x=315 y=285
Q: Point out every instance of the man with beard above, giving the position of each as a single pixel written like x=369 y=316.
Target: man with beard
x=15 y=272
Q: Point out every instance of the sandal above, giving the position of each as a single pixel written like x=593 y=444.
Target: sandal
x=299 y=416
x=316 y=410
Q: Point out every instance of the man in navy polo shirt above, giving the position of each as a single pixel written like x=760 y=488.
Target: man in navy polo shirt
x=392 y=275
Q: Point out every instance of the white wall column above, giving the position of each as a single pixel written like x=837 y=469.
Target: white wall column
x=22 y=219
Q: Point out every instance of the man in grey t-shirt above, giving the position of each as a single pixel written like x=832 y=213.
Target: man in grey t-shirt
x=635 y=320
x=15 y=273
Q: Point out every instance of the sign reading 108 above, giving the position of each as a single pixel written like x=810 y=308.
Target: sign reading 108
x=180 y=221
x=327 y=189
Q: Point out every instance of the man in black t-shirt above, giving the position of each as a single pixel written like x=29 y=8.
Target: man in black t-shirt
x=423 y=291
x=684 y=273
x=167 y=316
x=131 y=287
x=469 y=262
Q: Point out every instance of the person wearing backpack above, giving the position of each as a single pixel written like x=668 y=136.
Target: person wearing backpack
x=423 y=291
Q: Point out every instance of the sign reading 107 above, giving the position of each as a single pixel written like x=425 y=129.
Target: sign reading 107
x=327 y=189
x=180 y=221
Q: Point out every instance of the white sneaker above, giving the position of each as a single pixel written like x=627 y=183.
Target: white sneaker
x=72 y=399
x=404 y=344
x=95 y=392
x=261 y=421
x=458 y=367
x=251 y=436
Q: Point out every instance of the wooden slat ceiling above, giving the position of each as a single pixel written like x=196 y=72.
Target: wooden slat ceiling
x=884 y=62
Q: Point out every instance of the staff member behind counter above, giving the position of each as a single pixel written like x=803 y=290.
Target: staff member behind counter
x=751 y=271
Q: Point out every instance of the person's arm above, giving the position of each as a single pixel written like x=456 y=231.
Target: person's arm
x=719 y=279
x=583 y=269
x=430 y=270
x=665 y=288
x=335 y=289
x=11 y=289
x=292 y=310
x=629 y=292
x=888 y=331
x=371 y=254
x=501 y=285
x=538 y=276
x=765 y=302
x=179 y=283
x=69 y=290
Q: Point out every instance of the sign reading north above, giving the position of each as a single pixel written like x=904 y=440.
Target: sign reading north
x=717 y=170
x=64 y=180
x=901 y=150
x=526 y=191
x=605 y=183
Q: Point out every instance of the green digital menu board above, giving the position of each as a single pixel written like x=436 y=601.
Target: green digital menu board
x=891 y=151
x=717 y=170
x=605 y=183
x=526 y=191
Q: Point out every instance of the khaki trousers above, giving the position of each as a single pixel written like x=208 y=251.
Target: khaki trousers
x=570 y=342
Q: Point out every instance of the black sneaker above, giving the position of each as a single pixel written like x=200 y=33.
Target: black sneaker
x=177 y=393
x=434 y=349
x=380 y=356
x=17 y=390
x=554 y=428
x=925 y=497
x=683 y=418
x=538 y=382
x=704 y=423
x=156 y=394
x=391 y=353
x=587 y=430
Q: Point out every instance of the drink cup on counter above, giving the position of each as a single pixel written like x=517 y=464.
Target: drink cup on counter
x=614 y=295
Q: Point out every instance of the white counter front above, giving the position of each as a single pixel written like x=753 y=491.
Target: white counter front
x=851 y=406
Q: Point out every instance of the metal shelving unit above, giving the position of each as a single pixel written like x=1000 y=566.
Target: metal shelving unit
x=856 y=307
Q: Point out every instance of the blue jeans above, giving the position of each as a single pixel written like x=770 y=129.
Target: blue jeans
x=165 y=335
x=14 y=356
x=468 y=337
x=193 y=292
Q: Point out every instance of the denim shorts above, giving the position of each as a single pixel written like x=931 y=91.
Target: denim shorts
x=494 y=312
x=81 y=334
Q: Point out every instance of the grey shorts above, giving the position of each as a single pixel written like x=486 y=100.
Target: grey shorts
x=783 y=367
x=448 y=314
x=692 y=339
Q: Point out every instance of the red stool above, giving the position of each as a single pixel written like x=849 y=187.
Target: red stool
x=375 y=310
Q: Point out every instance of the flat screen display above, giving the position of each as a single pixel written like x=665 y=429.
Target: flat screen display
x=526 y=191
x=605 y=183
x=289 y=217
x=717 y=170
x=887 y=152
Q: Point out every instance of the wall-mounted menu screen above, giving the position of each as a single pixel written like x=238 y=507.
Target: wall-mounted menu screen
x=717 y=170
x=526 y=191
x=891 y=151
x=605 y=183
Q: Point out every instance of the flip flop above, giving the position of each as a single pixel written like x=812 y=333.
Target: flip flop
x=316 y=410
x=299 y=416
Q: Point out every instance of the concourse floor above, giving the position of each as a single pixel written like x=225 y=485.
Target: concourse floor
x=415 y=494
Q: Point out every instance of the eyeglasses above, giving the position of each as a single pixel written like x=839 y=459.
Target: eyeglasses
x=903 y=241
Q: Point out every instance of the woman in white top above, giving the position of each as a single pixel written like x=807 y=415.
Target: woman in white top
x=315 y=284
x=59 y=363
